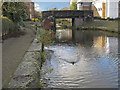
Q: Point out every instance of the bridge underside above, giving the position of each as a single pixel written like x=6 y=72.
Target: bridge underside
x=68 y=14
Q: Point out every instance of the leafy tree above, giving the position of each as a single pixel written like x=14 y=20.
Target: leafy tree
x=74 y=5
x=16 y=11
x=37 y=14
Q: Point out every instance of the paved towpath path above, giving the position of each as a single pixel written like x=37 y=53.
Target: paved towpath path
x=13 y=50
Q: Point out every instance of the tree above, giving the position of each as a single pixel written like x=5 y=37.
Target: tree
x=16 y=11
x=45 y=37
x=37 y=14
x=74 y=5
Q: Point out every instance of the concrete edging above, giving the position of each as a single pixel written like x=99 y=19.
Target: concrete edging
x=27 y=73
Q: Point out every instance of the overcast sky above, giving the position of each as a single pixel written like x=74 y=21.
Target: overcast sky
x=42 y=6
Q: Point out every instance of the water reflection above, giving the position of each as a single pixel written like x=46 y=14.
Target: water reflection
x=119 y=61
x=95 y=57
x=112 y=42
x=64 y=35
x=99 y=42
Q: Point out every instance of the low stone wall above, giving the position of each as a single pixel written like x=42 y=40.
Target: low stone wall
x=80 y=21
x=27 y=73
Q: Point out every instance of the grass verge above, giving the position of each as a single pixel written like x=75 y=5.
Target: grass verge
x=104 y=25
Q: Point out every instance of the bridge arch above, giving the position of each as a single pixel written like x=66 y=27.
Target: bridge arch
x=68 y=14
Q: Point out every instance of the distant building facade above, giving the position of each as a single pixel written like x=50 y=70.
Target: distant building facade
x=30 y=5
x=107 y=8
x=101 y=8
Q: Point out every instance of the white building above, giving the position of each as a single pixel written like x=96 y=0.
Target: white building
x=101 y=8
x=84 y=4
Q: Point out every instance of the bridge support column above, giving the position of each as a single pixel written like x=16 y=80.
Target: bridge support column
x=73 y=21
x=78 y=22
x=54 y=25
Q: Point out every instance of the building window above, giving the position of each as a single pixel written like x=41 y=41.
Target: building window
x=99 y=9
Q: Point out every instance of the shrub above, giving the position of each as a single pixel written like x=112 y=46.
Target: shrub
x=108 y=18
x=36 y=19
x=7 y=26
x=100 y=18
x=46 y=38
x=103 y=19
x=97 y=17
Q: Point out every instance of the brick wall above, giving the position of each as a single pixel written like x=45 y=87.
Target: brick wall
x=32 y=9
x=95 y=12
x=30 y=5
x=85 y=8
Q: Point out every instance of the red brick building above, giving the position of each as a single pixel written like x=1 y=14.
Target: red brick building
x=31 y=9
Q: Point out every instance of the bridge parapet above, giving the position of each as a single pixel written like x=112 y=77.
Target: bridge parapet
x=67 y=13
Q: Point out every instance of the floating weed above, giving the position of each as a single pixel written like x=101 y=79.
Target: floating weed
x=50 y=70
x=39 y=84
x=37 y=41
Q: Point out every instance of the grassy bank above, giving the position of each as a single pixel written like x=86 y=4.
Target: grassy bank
x=97 y=24
x=105 y=25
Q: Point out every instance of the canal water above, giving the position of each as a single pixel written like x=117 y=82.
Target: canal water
x=82 y=59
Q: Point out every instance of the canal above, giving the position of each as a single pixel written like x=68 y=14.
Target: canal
x=82 y=59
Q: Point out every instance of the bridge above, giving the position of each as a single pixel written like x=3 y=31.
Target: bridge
x=84 y=14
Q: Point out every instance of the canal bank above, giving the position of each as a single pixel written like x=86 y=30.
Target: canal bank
x=27 y=73
x=98 y=24
x=94 y=56
x=13 y=50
